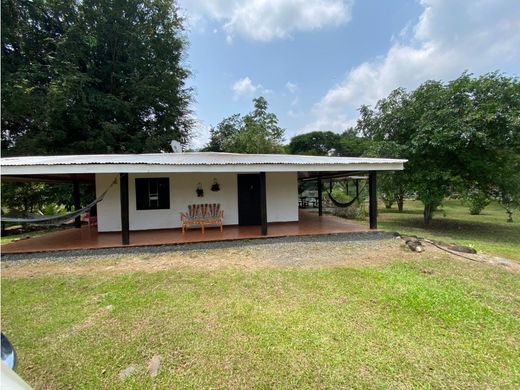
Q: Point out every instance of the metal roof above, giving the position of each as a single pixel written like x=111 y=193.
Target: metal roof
x=190 y=162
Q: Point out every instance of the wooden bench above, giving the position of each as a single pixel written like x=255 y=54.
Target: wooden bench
x=201 y=215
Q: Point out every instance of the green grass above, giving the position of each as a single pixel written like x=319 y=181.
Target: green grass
x=427 y=324
x=488 y=232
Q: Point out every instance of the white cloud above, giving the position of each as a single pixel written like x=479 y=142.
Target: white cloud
x=265 y=20
x=450 y=37
x=244 y=87
x=291 y=87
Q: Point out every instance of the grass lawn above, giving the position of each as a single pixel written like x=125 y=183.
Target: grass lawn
x=426 y=323
x=488 y=232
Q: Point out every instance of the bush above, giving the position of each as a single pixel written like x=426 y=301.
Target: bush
x=356 y=211
x=476 y=200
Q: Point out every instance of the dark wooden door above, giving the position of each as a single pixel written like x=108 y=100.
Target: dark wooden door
x=249 y=199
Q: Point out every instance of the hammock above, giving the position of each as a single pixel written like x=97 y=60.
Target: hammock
x=340 y=204
x=56 y=220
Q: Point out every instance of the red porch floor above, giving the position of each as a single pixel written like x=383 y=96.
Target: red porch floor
x=89 y=238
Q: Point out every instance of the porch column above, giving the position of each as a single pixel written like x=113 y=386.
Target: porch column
x=320 y=196
x=125 y=219
x=77 y=202
x=372 y=200
x=263 y=204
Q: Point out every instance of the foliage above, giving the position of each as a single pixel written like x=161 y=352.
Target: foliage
x=225 y=130
x=23 y=198
x=391 y=186
x=317 y=143
x=29 y=198
x=327 y=143
x=476 y=200
x=52 y=209
x=92 y=76
x=256 y=132
x=464 y=131
x=352 y=144
x=507 y=188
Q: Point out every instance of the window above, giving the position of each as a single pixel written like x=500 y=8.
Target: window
x=152 y=194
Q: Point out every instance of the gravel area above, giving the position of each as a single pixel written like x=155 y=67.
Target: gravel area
x=335 y=250
x=352 y=250
x=93 y=254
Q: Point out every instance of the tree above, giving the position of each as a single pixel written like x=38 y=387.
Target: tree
x=323 y=143
x=463 y=132
x=257 y=132
x=507 y=187
x=93 y=76
x=391 y=185
x=316 y=143
x=226 y=129
x=352 y=144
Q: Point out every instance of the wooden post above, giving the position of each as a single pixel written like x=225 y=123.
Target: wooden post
x=357 y=188
x=320 y=196
x=77 y=202
x=125 y=218
x=372 y=199
x=263 y=204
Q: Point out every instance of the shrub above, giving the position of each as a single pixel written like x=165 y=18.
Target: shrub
x=476 y=200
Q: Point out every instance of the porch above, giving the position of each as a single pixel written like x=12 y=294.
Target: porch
x=310 y=223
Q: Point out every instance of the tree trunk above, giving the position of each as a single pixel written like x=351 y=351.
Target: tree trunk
x=400 y=202
x=509 y=216
x=427 y=213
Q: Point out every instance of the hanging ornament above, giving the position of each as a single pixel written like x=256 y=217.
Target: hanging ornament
x=215 y=187
x=200 y=191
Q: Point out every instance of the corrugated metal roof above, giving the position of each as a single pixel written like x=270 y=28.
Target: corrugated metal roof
x=193 y=158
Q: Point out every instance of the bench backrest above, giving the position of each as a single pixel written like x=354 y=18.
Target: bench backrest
x=204 y=210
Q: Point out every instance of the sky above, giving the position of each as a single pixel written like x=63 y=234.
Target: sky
x=316 y=62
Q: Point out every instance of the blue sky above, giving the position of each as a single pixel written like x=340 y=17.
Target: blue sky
x=317 y=61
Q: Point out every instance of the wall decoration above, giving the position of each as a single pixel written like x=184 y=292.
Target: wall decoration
x=199 y=190
x=215 y=187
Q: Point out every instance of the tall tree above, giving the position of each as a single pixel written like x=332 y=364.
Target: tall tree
x=93 y=76
x=257 y=132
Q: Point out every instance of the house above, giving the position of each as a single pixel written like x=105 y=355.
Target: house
x=148 y=191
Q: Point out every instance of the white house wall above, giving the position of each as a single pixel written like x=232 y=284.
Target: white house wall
x=281 y=191
x=282 y=196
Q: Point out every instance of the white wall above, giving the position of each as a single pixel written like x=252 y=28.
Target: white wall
x=282 y=199
x=282 y=196
x=109 y=209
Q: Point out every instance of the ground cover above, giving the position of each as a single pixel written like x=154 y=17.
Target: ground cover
x=425 y=320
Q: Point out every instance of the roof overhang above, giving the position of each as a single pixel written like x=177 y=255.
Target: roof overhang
x=190 y=163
